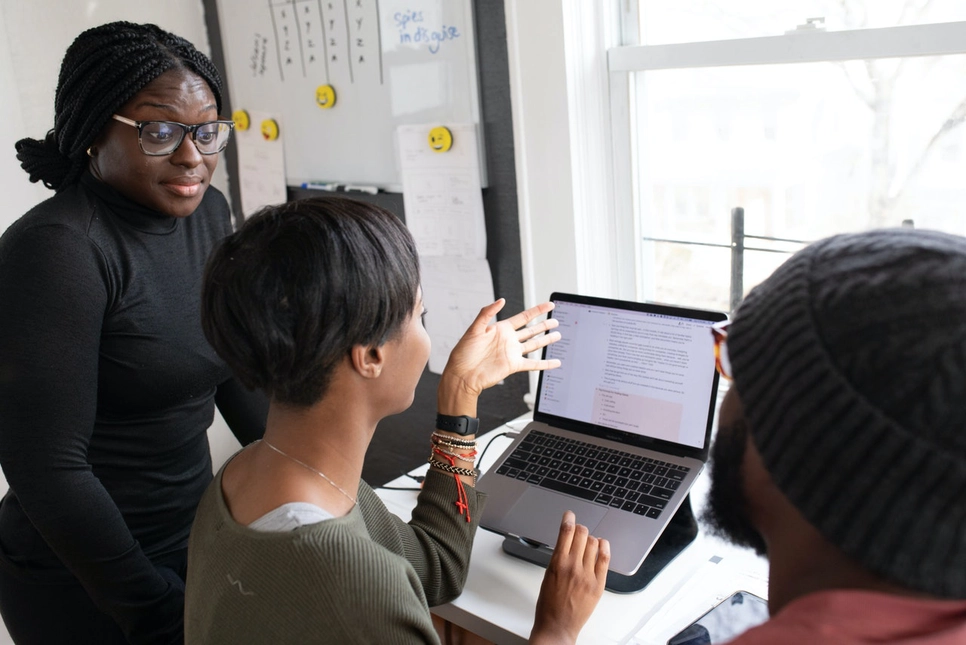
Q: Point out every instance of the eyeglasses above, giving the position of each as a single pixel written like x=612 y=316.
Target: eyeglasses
x=722 y=362
x=159 y=138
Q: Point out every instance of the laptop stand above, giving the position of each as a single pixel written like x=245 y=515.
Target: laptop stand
x=680 y=532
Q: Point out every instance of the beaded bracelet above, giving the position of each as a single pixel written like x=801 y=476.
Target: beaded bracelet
x=439 y=442
x=467 y=447
x=455 y=470
x=465 y=456
x=456 y=451
x=451 y=458
x=454 y=441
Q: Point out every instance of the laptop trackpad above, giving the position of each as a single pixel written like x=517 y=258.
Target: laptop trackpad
x=537 y=515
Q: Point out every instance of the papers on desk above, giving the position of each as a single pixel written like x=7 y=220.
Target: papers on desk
x=722 y=572
x=444 y=211
x=261 y=166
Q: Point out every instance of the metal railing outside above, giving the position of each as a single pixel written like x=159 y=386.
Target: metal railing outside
x=738 y=248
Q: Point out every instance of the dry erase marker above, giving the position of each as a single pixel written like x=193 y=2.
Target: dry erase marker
x=320 y=185
x=372 y=190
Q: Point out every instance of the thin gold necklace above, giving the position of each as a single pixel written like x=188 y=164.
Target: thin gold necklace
x=307 y=467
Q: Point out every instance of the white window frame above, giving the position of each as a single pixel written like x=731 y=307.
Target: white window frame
x=802 y=45
x=796 y=46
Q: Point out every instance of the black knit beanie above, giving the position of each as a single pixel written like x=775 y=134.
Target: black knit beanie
x=850 y=361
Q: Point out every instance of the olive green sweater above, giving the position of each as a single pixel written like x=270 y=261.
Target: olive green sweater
x=367 y=577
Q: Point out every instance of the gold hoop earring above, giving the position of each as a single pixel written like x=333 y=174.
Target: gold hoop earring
x=91 y=152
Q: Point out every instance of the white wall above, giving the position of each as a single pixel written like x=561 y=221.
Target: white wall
x=574 y=230
x=541 y=139
x=571 y=220
x=19 y=194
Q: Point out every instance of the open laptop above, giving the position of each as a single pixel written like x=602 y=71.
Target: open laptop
x=620 y=430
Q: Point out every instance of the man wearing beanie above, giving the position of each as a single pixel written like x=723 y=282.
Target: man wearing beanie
x=841 y=448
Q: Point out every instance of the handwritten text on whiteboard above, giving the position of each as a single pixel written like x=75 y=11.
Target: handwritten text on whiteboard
x=413 y=30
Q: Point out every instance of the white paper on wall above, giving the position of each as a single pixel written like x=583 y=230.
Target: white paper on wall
x=442 y=195
x=454 y=291
x=261 y=164
x=442 y=192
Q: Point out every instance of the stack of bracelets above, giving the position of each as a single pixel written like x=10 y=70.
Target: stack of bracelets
x=446 y=450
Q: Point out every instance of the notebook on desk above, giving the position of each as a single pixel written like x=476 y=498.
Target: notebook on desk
x=620 y=431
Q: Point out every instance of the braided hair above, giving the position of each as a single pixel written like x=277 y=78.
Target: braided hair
x=104 y=68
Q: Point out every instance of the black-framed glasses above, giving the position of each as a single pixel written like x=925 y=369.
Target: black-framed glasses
x=159 y=138
x=722 y=362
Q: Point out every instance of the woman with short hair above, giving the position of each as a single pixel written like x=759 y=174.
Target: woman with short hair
x=317 y=303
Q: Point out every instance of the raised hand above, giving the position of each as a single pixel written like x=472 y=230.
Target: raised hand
x=488 y=353
x=572 y=585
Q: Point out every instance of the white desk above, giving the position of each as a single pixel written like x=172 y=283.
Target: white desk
x=501 y=591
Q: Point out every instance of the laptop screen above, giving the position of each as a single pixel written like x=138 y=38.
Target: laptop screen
x=645 y=370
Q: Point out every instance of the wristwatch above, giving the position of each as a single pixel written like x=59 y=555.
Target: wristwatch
x=463 y=425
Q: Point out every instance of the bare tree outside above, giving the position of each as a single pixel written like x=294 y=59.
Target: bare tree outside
x=807 y=150
x=875 y=83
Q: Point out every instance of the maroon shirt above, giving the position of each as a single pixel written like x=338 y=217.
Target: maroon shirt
x=851 y=617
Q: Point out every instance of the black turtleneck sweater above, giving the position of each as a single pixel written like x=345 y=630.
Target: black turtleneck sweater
x=107 y=388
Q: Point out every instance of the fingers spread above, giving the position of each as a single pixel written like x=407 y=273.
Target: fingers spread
x=486 y=313
x=538 y=328
x=540 y=341
x=524 y=317
x=534 y=364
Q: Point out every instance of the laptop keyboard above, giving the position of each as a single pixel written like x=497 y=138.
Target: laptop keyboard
x=601 y=475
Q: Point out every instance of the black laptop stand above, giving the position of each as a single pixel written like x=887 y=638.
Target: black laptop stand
x=680 y=532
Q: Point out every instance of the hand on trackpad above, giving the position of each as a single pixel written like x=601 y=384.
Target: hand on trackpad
x=537 y=515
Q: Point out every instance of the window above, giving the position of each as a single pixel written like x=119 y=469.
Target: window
x=680 y=21
x=807 y=133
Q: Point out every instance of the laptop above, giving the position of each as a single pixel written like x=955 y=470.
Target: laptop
x=620 y=431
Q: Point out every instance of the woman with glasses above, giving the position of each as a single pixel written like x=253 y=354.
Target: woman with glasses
x=107 y=385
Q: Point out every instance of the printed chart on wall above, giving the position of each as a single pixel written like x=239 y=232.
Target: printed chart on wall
x=444 y=210
x=342 y=75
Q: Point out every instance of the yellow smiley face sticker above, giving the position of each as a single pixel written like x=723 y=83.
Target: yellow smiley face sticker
x=241 y=119
x=270 y=129
x=325 y=96
x=440 y=139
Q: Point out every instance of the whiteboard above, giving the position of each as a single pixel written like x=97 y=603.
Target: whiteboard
x=390 y=62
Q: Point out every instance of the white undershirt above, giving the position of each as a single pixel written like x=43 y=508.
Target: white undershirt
x=291 y=516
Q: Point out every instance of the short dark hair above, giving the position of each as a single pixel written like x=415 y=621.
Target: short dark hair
x=288 y=295
x=102 y=70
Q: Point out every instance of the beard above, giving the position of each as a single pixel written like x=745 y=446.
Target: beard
x=726 y=513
